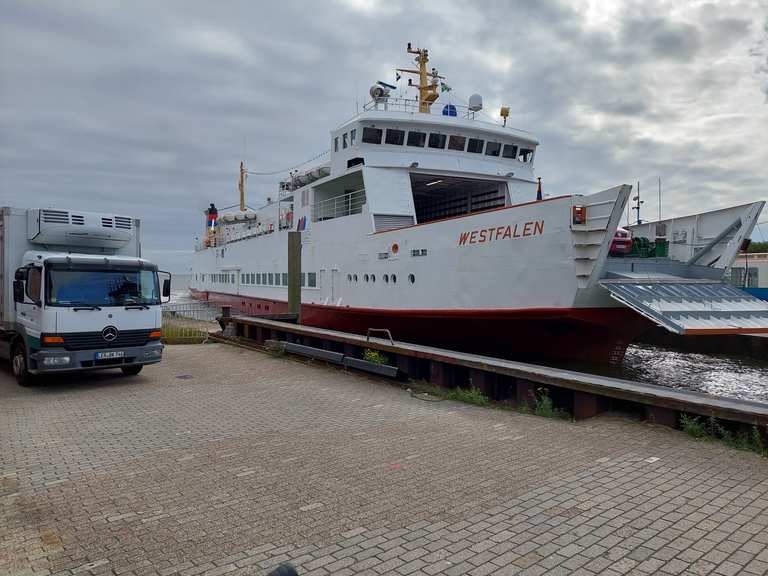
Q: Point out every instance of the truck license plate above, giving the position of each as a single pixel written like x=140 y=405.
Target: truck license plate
x=110 y=354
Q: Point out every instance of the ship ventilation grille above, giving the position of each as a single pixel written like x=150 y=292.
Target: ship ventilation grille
x=122 y=222
x=78 y=219
x=388 y=221
x=56 y=216
x=106 y=222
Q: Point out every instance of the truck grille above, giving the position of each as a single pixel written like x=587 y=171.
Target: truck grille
x=93 y=340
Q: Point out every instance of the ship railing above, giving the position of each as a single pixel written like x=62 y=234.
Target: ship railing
x=338 y=206
x=412 y=105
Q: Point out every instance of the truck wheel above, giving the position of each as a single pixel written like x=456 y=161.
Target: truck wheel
x=19 y=364
x=131 y=370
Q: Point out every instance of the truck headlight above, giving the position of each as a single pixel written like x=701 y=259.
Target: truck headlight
x=153 y=353
x=56 y=360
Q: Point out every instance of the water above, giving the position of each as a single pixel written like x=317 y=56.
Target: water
x=180 y=288
x=721 y=375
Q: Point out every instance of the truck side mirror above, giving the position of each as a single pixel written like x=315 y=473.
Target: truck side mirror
x=166 y=286
x=18 y=291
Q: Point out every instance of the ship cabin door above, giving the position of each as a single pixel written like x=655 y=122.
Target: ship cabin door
x=329 y=285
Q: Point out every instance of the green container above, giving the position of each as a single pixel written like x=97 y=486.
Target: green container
x=641 y=247
x=662 y=248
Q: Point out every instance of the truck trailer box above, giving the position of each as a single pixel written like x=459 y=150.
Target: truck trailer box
x=75 y=293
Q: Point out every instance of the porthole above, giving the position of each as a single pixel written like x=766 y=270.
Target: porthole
x=355 y=277
x=394 y=278
x=373 y=277
x=365 y=277
x=386 y=278
x=411 y=278
x=349 y=277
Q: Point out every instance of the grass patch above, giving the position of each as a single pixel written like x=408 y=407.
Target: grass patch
x=544 y=407
x=180 y=332
x=692 y=426
x=375 y=356
x=468 y=395
x=751 y=440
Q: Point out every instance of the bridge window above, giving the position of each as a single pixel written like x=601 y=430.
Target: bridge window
x=312 y=279
x=492 y=148
x=510 y=151
x=336 y=144
x=253 y=278
x=372 y=135
x=525 y=154
x=475 y=145
x=270 y=279
x=352 y=137
x=285 y=278
x=394 y=136
x=344 y=140
x=417 y=139
x=457 y=143
x=437 y=141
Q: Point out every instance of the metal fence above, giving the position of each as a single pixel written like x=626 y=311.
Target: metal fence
x=189 y=322
x=338 y=206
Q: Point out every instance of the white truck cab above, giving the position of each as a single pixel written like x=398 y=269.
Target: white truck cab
x=75 y=293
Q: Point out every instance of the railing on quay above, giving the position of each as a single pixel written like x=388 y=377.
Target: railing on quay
x=189 y=322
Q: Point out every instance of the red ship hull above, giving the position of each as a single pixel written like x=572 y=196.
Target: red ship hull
x=592 y=335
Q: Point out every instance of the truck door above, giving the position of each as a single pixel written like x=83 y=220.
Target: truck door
x=28 y=312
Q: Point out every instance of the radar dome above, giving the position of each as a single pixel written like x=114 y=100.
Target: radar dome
x=378 y=92
x=475 y=102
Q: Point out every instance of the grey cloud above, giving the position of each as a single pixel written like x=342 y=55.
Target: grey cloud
x=147 y=108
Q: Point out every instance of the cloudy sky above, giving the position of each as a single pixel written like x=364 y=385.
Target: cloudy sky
x=147 y=107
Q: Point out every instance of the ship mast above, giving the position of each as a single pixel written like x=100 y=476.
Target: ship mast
x=241 y=186
x=428 y=80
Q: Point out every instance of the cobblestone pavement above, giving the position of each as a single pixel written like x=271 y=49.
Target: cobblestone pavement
x=221 y=460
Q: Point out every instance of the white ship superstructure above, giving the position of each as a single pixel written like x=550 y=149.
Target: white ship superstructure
x=427 y=219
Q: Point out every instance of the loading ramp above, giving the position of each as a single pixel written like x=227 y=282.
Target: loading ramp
x=689 y=306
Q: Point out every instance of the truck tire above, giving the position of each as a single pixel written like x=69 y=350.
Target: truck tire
x=131 y=370
x=19 y=365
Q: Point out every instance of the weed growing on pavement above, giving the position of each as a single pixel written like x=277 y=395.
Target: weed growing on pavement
x=468 y=395
x=374 y=356
x=543 y=406
x=692 y=426
x=751 y=440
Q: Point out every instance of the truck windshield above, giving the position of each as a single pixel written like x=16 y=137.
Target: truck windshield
x=93 y=287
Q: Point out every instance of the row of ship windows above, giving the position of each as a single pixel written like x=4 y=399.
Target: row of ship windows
x=372 y=278
x=437 y=141
x=281 y=278
x=308 y=279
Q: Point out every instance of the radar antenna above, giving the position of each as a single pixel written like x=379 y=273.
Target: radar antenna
x=428 y=80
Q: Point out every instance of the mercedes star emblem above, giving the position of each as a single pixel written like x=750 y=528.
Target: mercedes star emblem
x=109 y=333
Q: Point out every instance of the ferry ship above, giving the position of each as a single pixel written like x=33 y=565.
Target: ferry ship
x=426 y=218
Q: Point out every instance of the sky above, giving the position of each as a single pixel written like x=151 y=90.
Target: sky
x=146 y=108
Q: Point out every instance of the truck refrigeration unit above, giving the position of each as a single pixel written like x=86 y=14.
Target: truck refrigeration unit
x=75 y=293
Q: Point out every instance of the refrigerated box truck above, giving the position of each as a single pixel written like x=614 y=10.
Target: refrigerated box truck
x=75 y=293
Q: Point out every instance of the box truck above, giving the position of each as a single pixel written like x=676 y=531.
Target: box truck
x=75 y=293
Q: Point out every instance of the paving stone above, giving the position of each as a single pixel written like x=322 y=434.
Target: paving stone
x=260 y=460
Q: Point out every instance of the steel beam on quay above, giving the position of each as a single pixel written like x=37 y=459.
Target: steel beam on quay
x=585 y=394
